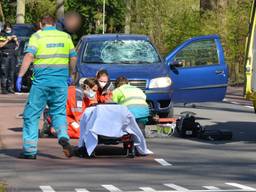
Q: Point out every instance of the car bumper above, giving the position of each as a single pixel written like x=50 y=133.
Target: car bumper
x=159 y=100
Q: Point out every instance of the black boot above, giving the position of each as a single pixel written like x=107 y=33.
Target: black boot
x=67 y=148
x=23 y=156
x=10 y=90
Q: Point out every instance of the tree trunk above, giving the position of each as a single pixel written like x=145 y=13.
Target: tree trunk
x=59 y=9
x=20 y=12
x=1 y=13
x=127 y=28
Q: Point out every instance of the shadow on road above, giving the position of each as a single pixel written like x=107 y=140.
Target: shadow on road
x=218 y=108
x=16 y=129
x=241 y=131
x=16 y=152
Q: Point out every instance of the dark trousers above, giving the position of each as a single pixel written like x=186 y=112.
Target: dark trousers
x=7 y=70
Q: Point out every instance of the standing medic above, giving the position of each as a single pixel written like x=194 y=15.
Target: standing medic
x=54 y=58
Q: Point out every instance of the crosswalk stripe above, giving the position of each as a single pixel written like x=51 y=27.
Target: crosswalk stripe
x=147 y=189
x=176 y=187
x=46 y=188
x=111 y=188
x=81 y=190
x=244 y=187
x=211 y=187
x=163 y=162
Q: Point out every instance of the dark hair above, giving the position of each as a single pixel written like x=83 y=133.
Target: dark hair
x=7 y=24
x=91 y=82
x=48 y=20
x=122 y=80
x=101 y=73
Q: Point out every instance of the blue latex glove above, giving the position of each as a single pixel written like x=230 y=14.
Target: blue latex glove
x=19 y=84
x=70 y=81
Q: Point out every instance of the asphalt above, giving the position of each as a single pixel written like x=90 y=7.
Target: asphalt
x=188 y=164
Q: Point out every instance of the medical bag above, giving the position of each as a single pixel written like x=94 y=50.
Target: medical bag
x=186 y=125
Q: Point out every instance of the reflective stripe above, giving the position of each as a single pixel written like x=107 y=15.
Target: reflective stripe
x=32 y=47
x=50 y=65
x=30 y=142
x=57 y=36
x=133 y=98
x=52 y=56
x=76 y=109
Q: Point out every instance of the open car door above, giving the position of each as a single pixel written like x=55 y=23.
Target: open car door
x=198 y=70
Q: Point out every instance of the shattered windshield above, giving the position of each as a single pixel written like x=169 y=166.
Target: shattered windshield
x=120 y=51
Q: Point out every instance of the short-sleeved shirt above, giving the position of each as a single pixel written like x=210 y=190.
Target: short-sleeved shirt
x=52 y=50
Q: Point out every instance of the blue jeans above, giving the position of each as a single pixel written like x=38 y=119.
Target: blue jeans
x=55 y=98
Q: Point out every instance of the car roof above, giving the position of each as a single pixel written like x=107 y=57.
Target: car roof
x=109 y=37
x=23 y=30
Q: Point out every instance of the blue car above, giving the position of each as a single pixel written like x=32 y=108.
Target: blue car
x=195 y=71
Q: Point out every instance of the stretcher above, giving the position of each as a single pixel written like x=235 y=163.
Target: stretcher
x=98 y=129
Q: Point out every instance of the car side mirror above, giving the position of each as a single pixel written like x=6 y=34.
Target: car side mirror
x=176 y=64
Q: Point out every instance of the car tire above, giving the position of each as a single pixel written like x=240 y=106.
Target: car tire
x=254 y=105
x=169 y=114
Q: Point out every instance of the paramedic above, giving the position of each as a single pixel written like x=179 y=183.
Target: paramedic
x=54 y=59
x=134 y=99
x=104 y=93
x=79 y=98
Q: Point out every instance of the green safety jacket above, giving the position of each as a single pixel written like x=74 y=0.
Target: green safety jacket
x=132 y=97
x=52 y=50
x=129 y=95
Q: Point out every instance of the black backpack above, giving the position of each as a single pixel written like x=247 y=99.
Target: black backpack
x=186 y=125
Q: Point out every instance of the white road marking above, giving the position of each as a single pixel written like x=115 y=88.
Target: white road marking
x=233 y=102
x=176 y=187
x=148 y=189
x=237 y=103
x=163 y=162
x=111 y=188
x=81 y=190
x=251 y=107
x=243 y=187
x=211 y=187
x=46 y=188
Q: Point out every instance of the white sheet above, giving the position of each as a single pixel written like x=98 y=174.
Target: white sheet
x=112 y=121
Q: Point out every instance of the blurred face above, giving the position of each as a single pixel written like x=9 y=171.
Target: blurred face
x=72 y=23
x=8 y=30
x=90 y=92
x=103 y=80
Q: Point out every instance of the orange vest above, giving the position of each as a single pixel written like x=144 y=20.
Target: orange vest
x=76 y=104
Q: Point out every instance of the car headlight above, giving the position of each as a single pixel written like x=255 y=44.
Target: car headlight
x=160 y=82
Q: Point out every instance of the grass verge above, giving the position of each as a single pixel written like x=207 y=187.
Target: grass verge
x=2 y=187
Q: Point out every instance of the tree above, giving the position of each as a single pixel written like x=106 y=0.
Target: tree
x=59 y=9
x=1 y=12
x=20 y=12
x=128 y=16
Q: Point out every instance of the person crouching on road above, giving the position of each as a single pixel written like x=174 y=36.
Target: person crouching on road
x=54 y=59
x=134 y=99
x=79 y=98
x=104 y=93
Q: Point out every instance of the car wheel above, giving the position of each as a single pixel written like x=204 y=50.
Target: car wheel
x=169 y=114
x=254 y=105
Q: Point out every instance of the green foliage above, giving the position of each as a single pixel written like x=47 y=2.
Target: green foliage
x=35 y=9
x=92 y=14
x=167 y=22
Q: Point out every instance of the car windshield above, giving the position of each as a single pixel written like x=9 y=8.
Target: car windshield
x=120 y=51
